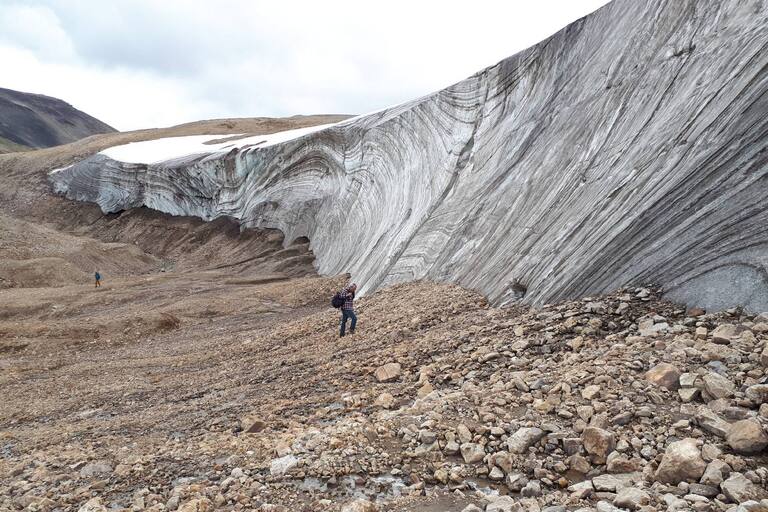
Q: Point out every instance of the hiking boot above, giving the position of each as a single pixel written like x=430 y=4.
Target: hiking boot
x=352 y=331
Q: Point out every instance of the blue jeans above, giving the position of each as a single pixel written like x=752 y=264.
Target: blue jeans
x=345 y=314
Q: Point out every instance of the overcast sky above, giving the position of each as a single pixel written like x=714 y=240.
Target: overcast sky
x=148 y=63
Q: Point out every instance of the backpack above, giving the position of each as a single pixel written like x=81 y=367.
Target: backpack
x=337 y=301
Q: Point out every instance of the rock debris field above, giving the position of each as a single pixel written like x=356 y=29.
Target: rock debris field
x=164 y=393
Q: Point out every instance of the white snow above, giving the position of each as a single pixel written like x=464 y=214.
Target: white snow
x=160 y=150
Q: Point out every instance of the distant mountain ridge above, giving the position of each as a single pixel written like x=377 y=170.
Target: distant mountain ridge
x=38 y=121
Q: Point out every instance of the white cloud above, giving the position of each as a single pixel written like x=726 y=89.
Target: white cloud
x=36 y=28
x=143 y=63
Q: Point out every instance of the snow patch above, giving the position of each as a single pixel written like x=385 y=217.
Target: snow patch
x=159 y=150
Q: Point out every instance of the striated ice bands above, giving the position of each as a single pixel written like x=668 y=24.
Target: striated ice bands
x=631 y=147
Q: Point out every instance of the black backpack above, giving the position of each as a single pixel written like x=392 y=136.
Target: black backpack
x=337 y=301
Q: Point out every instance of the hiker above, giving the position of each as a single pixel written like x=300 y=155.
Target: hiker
x=98 y=278
x=347 y=295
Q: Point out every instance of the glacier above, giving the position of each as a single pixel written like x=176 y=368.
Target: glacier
x=629 y=148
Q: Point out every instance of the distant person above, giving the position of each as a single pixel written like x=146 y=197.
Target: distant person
x=98 y=278
x=345 y=301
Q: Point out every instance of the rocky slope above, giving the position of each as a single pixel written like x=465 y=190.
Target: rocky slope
x=239 y=396
x=38 y=121
x=628 y=148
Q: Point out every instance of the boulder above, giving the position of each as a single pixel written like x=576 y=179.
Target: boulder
x=282 y=465
x=524 y=438
x=711 y=421
x=723 y=334
x=664 y=375
x=738 y=489
x=717 y=386
x=717 y=471
x=747 y=437
x=757 y=393
x=388 y=372
x=682 y=462
x=598 y=443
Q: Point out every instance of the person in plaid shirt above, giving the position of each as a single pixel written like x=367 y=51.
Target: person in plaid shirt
x=348 y=309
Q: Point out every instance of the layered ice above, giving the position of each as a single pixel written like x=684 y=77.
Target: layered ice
x=629 y=148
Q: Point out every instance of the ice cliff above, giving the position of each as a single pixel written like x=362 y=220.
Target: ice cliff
x=631 y=147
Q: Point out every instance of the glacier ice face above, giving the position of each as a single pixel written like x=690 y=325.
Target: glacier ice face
x=631 y=147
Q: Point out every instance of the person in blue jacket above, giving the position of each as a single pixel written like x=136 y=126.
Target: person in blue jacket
x=98 y=278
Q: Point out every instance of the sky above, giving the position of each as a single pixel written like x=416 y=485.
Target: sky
x=150 y=63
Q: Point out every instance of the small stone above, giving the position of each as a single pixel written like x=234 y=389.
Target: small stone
x=606 y=483
x=464 y=434
x=631 y=498
x=252 y=424
x=282 y=465
x=524 y=438
x=425 y=390
x=711 y=422
x=688 y=395
x=590 y=392
x=598 y=443
x=579 y=464
x=359 y=505
x=95 y=469
x=197 y=505
x=682 y=462
x=664 y=375
x=581 y=486
x=516 y=481
x=708 y=491
x=688 y=380
x=531 y=490
x=502 y=504
x=472 y=453
x=172 y=503
x=618 y=463
x=388 y=372
x=496 y=473
x=427 y=437
x=93 y=505
x=747 y=437
x=701 y=333
x=384 y=400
